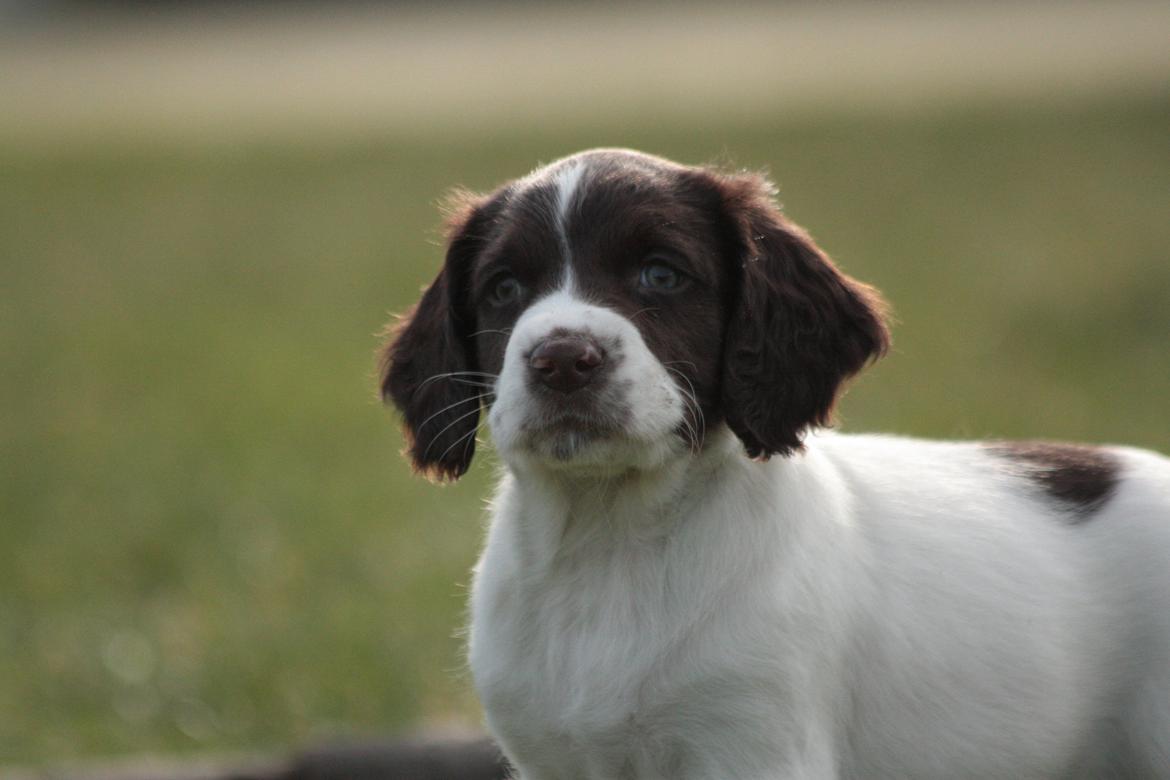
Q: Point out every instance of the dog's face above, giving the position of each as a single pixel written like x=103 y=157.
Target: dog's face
x=612 y=308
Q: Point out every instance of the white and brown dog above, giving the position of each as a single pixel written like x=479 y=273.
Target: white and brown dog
x=685 y=577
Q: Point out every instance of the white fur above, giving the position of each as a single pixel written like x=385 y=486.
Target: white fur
x=567 y=180
x=873 y=607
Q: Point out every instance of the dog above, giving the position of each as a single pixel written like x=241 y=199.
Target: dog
x=687 y=574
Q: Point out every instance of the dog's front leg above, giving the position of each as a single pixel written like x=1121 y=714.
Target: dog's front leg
x=820 y=767
x=808 y=752
x=802 y=768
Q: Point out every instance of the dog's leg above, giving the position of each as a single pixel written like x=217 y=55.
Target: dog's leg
x=808 y=755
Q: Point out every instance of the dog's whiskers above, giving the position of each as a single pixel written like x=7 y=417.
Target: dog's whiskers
x=473 y=383
x=643 y=311
x=448 y=407
x=697 y=425
x=500 y=331
x=482 y=375
x=435 y=437
x=466 y=438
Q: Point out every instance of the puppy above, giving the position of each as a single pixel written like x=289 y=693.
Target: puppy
x=685 y=576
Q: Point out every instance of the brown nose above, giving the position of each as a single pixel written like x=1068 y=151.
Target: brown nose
x=566 y=363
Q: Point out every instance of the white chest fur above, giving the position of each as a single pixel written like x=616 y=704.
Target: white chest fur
x=631 y=630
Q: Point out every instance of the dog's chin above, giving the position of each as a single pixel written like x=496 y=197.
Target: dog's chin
x=589 y=447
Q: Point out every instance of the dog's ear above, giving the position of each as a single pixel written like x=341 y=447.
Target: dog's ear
x=428 y=353
x=798 y=327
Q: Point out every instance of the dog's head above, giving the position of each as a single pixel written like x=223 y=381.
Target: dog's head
x=612 y=308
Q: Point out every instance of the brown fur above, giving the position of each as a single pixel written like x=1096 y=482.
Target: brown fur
x=1079 y=476
x=432 y=339
x=799 y=327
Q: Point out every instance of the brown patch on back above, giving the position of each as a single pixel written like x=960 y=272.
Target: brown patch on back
x=1082 y=477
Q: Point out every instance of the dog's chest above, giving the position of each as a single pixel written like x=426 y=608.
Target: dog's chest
x=576 y=653
x=612 y=661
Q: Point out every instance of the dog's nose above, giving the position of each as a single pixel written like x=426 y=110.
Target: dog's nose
x=566 y=363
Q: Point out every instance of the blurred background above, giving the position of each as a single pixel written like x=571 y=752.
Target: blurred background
x=208 y=540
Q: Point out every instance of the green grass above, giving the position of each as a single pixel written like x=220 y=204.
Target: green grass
x=207 y=537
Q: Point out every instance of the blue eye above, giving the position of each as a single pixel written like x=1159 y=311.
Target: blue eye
x=506 y=290
x=657 y=276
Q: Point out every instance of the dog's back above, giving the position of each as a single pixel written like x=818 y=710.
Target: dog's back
x=1004 y=625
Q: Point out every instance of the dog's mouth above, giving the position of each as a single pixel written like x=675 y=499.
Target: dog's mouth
x=573 y=429
x=566 y=427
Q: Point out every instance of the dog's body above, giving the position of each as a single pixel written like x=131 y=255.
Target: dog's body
x=659 y=599
x=873 y=607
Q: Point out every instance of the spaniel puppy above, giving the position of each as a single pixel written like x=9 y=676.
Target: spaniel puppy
x=685 y=576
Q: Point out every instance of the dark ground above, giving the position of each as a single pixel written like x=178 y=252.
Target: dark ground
x=416 y=759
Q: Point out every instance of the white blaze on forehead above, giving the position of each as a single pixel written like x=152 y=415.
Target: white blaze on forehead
x=566 y=181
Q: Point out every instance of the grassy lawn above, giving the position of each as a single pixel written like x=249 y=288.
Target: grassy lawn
x=207 y=538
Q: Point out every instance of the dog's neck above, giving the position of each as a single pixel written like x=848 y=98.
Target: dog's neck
x=557 y=511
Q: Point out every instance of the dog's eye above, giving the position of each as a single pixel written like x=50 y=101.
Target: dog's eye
x=505 y=290
x=659 y=276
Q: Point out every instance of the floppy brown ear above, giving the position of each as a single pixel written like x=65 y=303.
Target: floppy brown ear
x=798 y=329
x=425 y=361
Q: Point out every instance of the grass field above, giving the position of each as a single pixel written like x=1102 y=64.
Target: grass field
x=207 y=538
